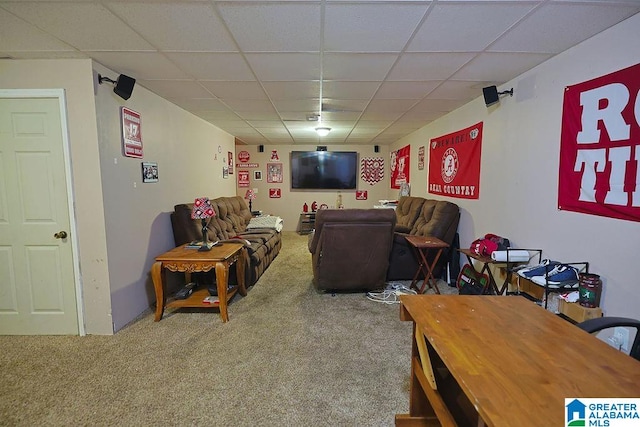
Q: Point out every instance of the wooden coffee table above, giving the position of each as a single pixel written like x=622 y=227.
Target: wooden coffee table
x=186 y=260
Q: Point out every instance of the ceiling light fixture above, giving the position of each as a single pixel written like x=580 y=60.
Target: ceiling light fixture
x=323 y=131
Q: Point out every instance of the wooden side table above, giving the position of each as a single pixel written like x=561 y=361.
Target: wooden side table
x=186 y=260
x=422 y=245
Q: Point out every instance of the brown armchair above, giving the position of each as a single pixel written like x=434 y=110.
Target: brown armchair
x=350 y=248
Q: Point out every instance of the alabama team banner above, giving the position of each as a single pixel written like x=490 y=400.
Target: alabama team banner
x=454 y=163
x=600 y=146
x=400 y=166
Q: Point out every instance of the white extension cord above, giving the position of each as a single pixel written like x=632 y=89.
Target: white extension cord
x=391 y=294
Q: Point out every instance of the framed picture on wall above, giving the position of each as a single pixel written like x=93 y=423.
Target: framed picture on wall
x=274 y=172
x=257 y=175
x=149 y=172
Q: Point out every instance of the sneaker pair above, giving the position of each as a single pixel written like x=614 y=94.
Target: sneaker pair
x=545 y=267
x=562 y=276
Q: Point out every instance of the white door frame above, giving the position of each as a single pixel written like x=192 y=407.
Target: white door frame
x=73 y=238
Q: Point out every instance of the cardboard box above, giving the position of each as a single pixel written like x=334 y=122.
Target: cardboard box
x=576 y=312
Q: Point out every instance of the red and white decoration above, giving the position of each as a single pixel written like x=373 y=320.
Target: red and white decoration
x=372 y=169
x=600 y=146
x=275 y=193
x=274 y=155
x=243 y=178
x=244 y=156
x=454 y=163
x=400 y=166
x=361 y=195
x=131 y=133
x=421 y=158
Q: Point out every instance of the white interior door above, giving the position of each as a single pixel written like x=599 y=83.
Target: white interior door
x=37 y=280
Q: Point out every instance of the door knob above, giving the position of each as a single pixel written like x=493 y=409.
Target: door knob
x=60 y=235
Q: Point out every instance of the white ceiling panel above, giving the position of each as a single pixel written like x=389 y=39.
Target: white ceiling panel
x=235 y=90
x=490 y=66
x=163 y=25
x=85 y=26
x=428 y=66
x=292 y=89
x=257 y=69
x=213 y=66
x=557 y=27
x=406 y=90
x=17 y=36
x=176 y=88
x=285 y=66
x=477 y=26
x=273 y=27
x=349 y=90
x=357 y=27
x=357 y=66
x=142 y=65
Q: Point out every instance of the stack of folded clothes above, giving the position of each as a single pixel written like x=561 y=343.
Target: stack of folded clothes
x=552 y=274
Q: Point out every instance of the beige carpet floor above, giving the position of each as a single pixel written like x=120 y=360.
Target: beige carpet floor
x=289 y=356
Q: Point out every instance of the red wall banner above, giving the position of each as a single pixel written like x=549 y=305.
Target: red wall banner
x=600 y=146
x=454 y=163
x=400 y=166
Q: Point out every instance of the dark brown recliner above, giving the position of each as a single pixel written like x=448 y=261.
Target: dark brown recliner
x=437 y=218
x=350 y=248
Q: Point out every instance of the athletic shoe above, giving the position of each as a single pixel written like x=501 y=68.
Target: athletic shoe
x=545 y=267
x=565 y=275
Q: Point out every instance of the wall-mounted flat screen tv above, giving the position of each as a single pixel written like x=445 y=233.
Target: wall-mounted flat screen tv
x=324 y=170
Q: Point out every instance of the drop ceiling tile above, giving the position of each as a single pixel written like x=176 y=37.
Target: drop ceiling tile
x=555 y=27
x=307 y=106
x=460 y=91
x=215 y=116
x=177 y=26
x=17 y=35
x=140 y=65
x=249 y=105
x=267 y=124
x=357 y=66
x=285 y=66
x=406 y=90
x=213 y=66
x=169 y=89
x=85 y=26
x=276 y=27
x=373 y=125
x=434 y=104
x=200 y=104
x=349 y=90
x=382 y=105
x=341 y=116
x=476 y=26
x=428 y=66
x=235 y=90
x=370 y=27
x=51 y=54
x=499 y=67
x=381 y=115
x=292 y=89
x=330 y=105
x=414 y=116
x=259 y=115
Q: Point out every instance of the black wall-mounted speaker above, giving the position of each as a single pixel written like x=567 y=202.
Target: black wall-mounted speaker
x=376 y=148
x=260 y=148
x=124 y=86
x=490 y=95
x=321 y=148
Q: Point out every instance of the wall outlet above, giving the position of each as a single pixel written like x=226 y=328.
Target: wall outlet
x=621 y=336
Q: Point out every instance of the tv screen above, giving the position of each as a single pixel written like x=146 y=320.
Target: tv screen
x=324 y=170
